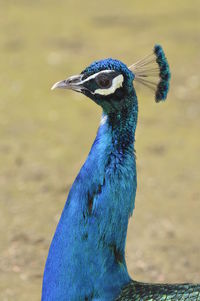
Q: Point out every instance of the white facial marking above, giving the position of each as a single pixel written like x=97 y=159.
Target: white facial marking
x=116 y=83
x=103 y=119
x=93 y=76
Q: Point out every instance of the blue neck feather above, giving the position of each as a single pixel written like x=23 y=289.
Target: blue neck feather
x=86 y=259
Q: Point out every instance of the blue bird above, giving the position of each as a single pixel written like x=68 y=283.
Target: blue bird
x=86 y=260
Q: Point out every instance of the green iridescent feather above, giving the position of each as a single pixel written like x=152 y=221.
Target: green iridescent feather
x=138 y=291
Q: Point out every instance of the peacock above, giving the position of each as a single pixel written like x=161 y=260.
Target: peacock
x=86 y=259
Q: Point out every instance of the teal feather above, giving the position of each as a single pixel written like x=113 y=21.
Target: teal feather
x=163 y=85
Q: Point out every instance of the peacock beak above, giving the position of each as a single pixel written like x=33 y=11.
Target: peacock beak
x=72 y=83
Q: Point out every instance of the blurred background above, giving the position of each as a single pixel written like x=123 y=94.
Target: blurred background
x=45 y=136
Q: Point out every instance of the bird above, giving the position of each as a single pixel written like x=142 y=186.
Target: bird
x=86 y=259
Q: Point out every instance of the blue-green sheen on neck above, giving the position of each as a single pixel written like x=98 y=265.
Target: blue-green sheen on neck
x=86 y=259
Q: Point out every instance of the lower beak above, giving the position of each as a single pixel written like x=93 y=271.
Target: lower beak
x=71 y=83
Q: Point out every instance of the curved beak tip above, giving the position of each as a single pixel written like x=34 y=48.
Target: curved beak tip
x=72 y=83
x=56 y=85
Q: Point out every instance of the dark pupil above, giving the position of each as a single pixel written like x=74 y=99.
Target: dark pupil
x=103 y=81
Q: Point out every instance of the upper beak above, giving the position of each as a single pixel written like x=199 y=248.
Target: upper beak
x=72 y=83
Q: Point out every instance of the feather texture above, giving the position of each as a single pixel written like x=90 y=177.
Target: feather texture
x=153 y=72
x=138 y=291
x=86 y=260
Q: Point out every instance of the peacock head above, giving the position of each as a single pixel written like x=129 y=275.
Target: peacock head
x=109 y=82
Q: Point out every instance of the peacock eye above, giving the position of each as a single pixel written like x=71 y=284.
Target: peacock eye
x=103 y=81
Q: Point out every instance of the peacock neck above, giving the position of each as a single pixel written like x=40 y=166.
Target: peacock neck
x=88 y=249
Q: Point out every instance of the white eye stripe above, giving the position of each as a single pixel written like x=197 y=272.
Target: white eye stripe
x=93 y=76
x=116 y=83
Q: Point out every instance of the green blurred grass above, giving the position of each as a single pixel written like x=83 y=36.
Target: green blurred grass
x=45 y=136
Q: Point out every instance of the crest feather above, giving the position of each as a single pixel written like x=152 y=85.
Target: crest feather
x=153 y=72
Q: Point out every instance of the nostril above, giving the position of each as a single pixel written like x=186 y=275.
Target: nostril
x=73 y=79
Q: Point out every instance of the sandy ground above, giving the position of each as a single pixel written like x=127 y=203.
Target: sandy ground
x=45 y=136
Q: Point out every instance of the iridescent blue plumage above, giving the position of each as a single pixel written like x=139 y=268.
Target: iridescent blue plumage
x=86 y=260
x=111 y=64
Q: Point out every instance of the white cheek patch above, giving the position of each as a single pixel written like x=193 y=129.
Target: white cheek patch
x=116 y=83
